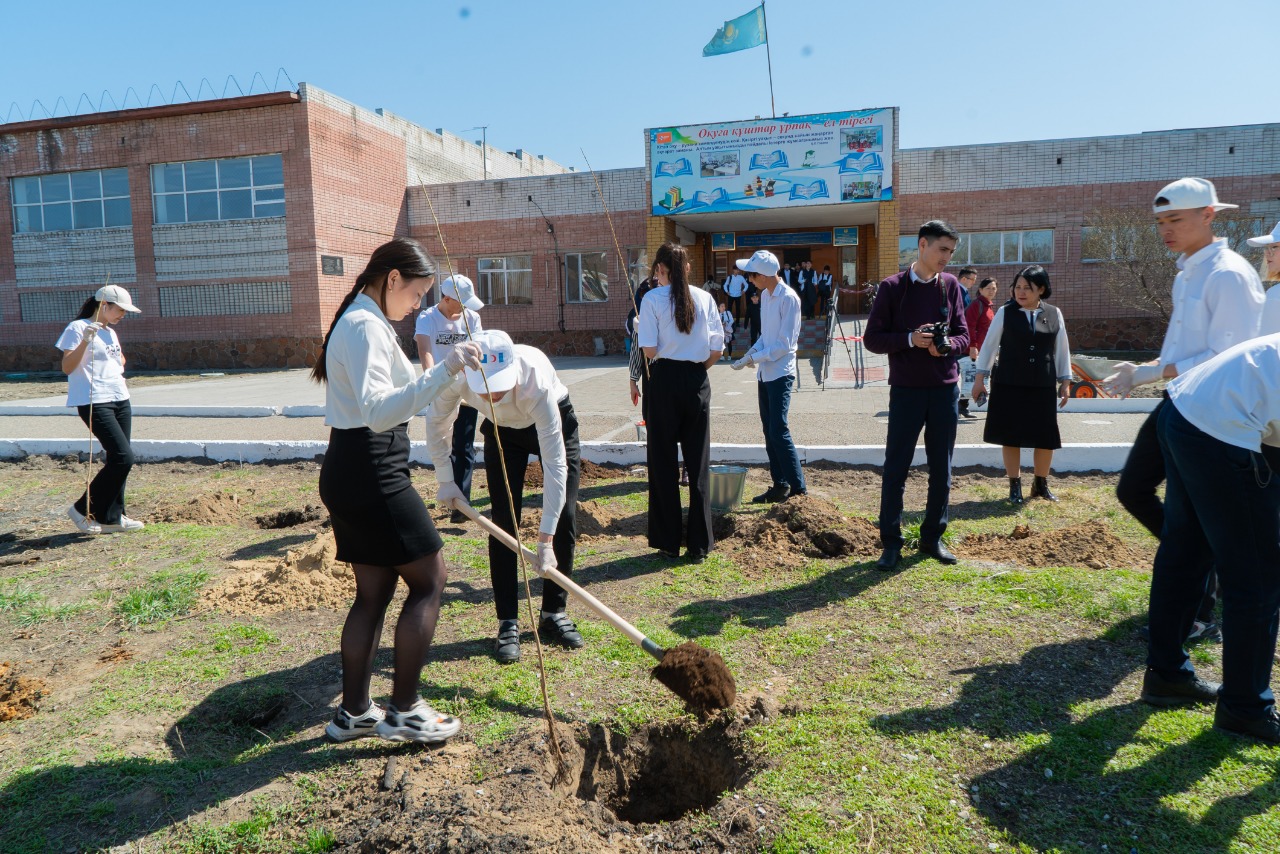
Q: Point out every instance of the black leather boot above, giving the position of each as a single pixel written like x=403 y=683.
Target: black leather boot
x=1015 y=490
x=1040 y=489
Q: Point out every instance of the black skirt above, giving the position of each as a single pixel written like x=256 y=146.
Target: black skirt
x=378 y=517
x=1022 y=416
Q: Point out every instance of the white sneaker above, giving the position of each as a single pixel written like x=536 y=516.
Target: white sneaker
x=345 y=726
x=126 y=524
x=420 y=723
x=84 y=523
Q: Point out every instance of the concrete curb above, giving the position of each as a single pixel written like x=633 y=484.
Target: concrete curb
x=158 y=411
x=1071 y=458
x=1101 y=405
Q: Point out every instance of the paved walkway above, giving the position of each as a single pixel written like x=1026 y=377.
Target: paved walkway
x=839 y=415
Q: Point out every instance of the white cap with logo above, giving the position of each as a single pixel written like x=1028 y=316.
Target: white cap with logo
x=459 y=287
x=763 y=262
x=1266 y=239
x=116 y=295
x=497 y=363
x=1188 y=194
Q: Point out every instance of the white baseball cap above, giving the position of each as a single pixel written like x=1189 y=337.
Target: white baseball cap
x=498 y=363
x=459 y=287
x=116 y=295
x=1266 y=239
x=763 y=262
x=1188 y=194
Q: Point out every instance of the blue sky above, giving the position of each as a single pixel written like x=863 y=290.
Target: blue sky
x=566 y=76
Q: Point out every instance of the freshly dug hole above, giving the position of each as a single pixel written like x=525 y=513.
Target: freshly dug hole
x=290 y=518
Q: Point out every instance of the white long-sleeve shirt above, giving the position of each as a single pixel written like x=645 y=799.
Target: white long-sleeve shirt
x=534 y=401
x=1217 y=303
x=371 y=382
x=991 y=345
x=1235 y=397
x=774 y=353
x=1271 y=312
x=658 y=327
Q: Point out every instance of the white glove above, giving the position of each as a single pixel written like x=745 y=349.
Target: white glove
x=1128 y=376
x=546 y=558
x=465 y=354
x=92 y=330
x=450 y=496
x=742 y=363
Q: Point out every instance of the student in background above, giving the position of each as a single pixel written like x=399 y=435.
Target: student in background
x=726 y=323
x=1270 y=273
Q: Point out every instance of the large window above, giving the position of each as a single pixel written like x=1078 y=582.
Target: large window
x=507 y=280
x=1005 y=247
x=209 y=190
x=71 y=200
x=586 y=276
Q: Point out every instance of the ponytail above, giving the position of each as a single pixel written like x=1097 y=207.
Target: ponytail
x=675 y=258
x=403 y=254
x=89 y=309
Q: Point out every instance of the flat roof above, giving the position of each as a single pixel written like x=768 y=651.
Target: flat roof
x=218 y=105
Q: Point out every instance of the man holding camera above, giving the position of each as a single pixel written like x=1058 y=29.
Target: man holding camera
x=918 y=320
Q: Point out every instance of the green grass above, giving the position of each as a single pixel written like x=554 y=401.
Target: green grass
x=165 y=596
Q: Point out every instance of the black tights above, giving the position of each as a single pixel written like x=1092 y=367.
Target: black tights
x=375 y=585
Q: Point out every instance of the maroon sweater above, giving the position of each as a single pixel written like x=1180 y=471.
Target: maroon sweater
x=902 y=306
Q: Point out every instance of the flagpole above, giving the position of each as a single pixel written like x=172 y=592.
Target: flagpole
x=764 y=19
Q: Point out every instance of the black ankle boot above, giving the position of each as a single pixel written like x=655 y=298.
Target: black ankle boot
x=1015 y=490
x=1040 y=489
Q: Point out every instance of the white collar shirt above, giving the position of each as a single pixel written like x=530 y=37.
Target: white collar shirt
x=1217 y=303
x=1235 y=397
x=371 y=382
x=534 y=401
x=774 y=353
x=658 y=327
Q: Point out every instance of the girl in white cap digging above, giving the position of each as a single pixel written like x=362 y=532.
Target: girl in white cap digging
x=94 y=365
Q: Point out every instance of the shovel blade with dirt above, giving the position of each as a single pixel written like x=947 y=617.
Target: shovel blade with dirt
x=693 y=673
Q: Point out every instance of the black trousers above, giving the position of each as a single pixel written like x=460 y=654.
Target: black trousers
x=932 y=409
x=755 y=326
x=111 y=426
x=517 y=445
x=680 y=417
x=463 y=455
x=1144 y=470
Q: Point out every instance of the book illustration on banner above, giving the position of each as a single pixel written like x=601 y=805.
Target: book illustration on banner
x=706 y=198
x=861 y=163
x=672 y=199
x=719 y=164
x=815 y=190
x=862 y=139
x=776 y=159
x=673 y=168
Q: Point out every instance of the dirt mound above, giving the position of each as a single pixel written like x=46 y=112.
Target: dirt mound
x=590 y=472
x=19 y=695
x=304 y=579
x=803 y=526
x=1086 y=544
x=218 y=508
x=698 y=676
x=290 y=518
x=610 y=520
x=509 y=797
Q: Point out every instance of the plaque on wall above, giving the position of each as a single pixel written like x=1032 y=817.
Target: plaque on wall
x=331 y=265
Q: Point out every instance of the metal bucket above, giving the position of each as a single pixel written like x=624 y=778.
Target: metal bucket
x=727 y=484
x=642 y=432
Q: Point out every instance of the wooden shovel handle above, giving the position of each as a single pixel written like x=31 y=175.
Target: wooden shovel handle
x=602 y=610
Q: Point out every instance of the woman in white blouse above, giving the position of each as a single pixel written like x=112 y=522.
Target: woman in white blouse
x=1030 y=382
x=380 y=522
x=1270 y=273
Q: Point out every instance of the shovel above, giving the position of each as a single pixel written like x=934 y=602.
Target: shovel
x=696 y=675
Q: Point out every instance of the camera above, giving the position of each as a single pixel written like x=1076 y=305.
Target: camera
x=941 y=342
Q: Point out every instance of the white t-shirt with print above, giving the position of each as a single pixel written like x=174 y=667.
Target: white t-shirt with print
x=442 y=332
x=101 y=370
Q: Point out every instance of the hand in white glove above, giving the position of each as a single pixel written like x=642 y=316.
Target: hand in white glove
x=1128 y=376
x=742 y=363
x=465 y=354
x=450 y=496
x=92 y=330
x=546 y=558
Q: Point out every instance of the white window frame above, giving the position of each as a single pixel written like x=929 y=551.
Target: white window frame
x=266 y=199
x=491 y=280
x=74 y=204
x=573 y=284
x=963 y=256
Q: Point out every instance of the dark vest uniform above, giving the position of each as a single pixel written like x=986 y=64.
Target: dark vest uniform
x=1026 y=354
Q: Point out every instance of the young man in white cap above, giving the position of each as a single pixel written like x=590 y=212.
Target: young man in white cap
x=535 y=416
x=1270 y=246
x=437 y=330
x=1217 y=303
x=1219 y=430
x=774 y=357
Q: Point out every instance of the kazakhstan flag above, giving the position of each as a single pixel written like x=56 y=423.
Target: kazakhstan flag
x=739 y=34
